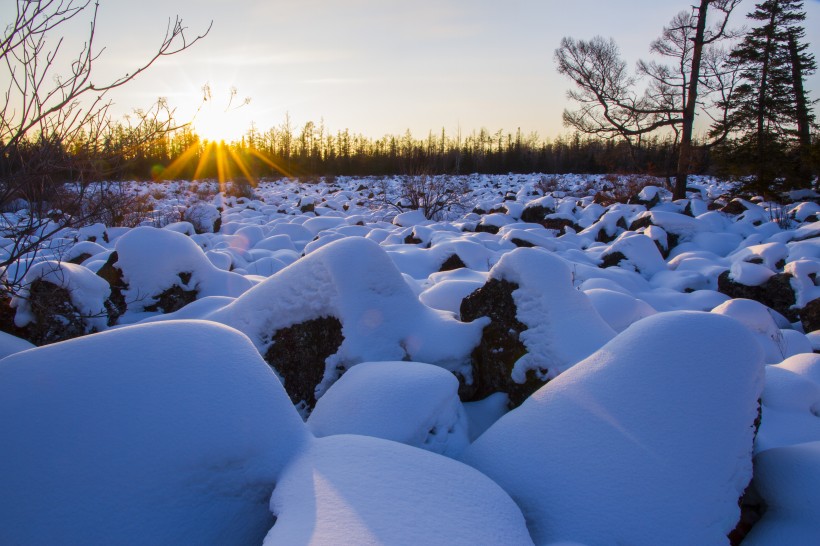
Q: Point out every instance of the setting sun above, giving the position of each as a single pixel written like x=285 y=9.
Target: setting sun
x=222 y=114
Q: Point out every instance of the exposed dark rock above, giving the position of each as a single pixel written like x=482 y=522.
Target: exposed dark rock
x=559 y=224
x=115 y=304
x=752 y=508
x=55 y=317
x=79 y=259
x=7 y=318
x=776 y=293
x=735 y=207
x=310 y=207
x=643 y=222
x=173 y=299
x=218 y=224
x=535 y=214
x=451 y=263
x=486 y=228
x=298 y=354
x=810 y=316
x=521 y=243
x=604 y=237
x=500 y=346
x=411 y=239
x=612 y=259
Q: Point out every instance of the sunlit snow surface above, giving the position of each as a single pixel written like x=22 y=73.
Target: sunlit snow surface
x=163 y=429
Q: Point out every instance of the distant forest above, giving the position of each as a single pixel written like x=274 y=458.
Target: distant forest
x=311 y=152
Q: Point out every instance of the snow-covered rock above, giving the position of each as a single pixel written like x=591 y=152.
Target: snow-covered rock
x=788 y=479
x=409 y=402
x=168 y=433
x=652 y=433
x=359 y=490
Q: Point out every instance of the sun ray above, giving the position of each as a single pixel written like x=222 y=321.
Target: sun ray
x=206 y=154
x=240 y=163
x=172 y=171
x=271 y=163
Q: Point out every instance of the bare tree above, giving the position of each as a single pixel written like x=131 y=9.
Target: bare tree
x=609 y=104
x=53 y=105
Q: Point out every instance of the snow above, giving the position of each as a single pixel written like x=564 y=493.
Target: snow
x=791 y=403
x=368 y=491
x=563 y=326
x=759 y=320
x=153 y=260
x=163 y=433
x=10 y=344
x=409 y=402
x=679 y=395
x=354 y=280
x=789 y=479
x=86 y=290
x=653 y=429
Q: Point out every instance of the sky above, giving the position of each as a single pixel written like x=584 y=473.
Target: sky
x=374 y=66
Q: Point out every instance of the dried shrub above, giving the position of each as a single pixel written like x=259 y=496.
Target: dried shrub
x=547 y=184
x=623 y=189
x=240 y=187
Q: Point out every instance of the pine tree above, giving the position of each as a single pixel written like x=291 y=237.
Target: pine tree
x=769 y=109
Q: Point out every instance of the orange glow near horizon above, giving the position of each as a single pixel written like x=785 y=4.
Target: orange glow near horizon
x=221 y=157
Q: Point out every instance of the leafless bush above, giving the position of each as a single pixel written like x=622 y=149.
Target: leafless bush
x=240 y=187
x=433 y=195
x=623 y=189
x=547 y=184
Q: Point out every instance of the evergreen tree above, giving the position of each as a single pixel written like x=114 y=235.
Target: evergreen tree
x=769 y=111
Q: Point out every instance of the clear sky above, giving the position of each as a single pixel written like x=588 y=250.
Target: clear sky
x=378 y=66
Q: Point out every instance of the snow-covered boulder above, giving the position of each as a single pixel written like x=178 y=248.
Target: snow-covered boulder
x=344 y=304
x=204 y=217
x=59 y=301
x=10 y=344
x=408 y=402
x=647 y=441
x=168 y=433
x=359 y=490
x=791 y=403
x=634 y=251
x=165 y=270
x=788 y=480
x=540 y=324
x=760 y=321
x=619 y=310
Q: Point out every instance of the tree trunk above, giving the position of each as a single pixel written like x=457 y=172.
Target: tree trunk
x=762 y=137
x=685 y=151
x=801 y=105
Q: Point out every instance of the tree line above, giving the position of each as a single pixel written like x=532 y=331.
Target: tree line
x=749 y=84
x=311 y=151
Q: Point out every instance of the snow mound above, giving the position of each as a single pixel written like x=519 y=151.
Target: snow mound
x=87 y=291
x=167 y=433
x=368 y=491
x=408 y=402
x=563 y=325
x=354 y=280
x=791 y=403
x=10 y=344
x=788 y=478
x=153 y=260
x=759 y=320
x=653 y=432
